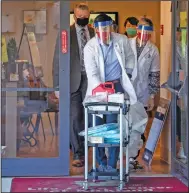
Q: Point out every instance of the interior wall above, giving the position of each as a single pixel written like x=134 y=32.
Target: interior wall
x=165 y=59
x=46 y=43
x=165 y=45
x=127 y=9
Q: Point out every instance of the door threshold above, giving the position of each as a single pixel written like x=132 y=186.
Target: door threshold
x=81 y=176
x=150 y=175
x=136 y=175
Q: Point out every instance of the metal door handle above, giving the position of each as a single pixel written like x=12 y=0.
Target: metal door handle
x=166 y=86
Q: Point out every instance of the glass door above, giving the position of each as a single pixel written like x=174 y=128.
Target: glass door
x=179 y=82
x=35 y=64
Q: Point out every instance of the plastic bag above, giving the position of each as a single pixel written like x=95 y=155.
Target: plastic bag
x=135 y=143
x=111 y=141
x=100 y=129
x=138 y=118
x=98 y=98
x=105 y=133
x=112 y=138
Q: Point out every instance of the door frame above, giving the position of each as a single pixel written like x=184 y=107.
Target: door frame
x=178 y=169
x=58 y=166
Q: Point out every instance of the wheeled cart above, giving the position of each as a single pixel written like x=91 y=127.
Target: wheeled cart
x=96 y=108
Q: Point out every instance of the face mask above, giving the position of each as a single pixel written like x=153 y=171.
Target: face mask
x=131 y=32
x=82 y=21
x=144 y=37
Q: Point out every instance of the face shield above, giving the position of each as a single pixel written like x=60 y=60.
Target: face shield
x=114 y=28
x=103 y=30
x=144 y=33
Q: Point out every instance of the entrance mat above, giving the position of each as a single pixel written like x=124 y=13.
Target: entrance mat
x=74 y=184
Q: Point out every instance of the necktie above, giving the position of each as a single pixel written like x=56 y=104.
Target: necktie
x=83 y=43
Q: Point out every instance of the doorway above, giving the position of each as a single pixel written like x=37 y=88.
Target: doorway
x=162 y=16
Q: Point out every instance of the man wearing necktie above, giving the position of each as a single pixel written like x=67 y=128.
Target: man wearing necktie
x=80 y=33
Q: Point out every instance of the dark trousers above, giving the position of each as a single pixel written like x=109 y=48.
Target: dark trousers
x=77 y=119
x=178 y=131
x=113 y=152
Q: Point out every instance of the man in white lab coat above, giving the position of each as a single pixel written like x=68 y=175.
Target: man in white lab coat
x=108 y=57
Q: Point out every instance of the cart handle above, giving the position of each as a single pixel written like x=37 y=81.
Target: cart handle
x=121 y=105
x=109 y=84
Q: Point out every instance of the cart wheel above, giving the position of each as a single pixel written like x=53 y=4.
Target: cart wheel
x=85 y=185
x=121 y=186
x=126 y=178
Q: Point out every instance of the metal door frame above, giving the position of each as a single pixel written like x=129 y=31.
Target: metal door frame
x=58 y=166
x=11 y=166
x=178 y=169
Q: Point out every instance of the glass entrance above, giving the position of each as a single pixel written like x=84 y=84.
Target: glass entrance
x=33 y=68
x=180 y=95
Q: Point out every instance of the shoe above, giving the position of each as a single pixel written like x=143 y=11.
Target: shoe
x=101 y=168
x=180 y=154
x=82 y=159
x=134 y=164
x=78 y=163
x=110 y=169
x=131 y=163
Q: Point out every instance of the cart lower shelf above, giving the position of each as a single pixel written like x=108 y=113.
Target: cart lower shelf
x=96 y=175
x=106 y=144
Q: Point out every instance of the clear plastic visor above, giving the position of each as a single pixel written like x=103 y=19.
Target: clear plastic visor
x=103 y=31
x=144 y=34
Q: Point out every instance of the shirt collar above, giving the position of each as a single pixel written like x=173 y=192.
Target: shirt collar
x=100 y=43
x=79 y=28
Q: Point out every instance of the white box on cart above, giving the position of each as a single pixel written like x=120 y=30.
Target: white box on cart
x=115 y=98
x=104 y=97
x=96 y=139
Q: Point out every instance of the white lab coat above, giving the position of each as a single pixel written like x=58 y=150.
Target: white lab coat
x=148 y=61
x=94 y=64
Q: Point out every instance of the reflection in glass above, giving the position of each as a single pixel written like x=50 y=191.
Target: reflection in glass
x=30 y=126
x=182 y=66
x=29 y=106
